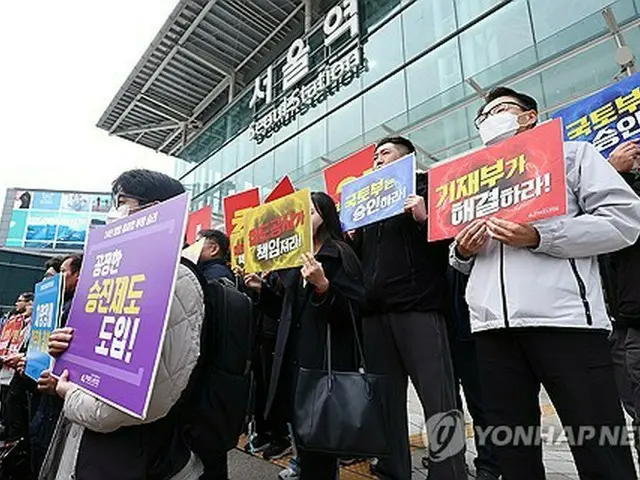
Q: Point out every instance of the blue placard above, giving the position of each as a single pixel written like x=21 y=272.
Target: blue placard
x=607 y=118
x=46 y=312
x=378 y=195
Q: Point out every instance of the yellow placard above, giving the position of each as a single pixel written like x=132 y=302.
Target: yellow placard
x=278 y=233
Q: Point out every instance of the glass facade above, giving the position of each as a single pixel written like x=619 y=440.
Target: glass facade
x=422 y=58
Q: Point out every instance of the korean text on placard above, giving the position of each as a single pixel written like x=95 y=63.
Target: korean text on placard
x=614 y=122
x=115 y=297
x=132 y=225
x=268 y=237
x=374 y=197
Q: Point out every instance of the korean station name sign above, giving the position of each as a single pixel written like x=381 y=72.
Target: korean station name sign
x=521 y=179
x=341 y=20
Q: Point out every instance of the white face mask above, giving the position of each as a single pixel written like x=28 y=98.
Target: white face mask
x=117 y=213
x=499 y=127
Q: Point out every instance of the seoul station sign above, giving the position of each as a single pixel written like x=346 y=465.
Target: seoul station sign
x=297 y=97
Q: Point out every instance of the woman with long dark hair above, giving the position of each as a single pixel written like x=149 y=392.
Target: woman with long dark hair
x=327 y=289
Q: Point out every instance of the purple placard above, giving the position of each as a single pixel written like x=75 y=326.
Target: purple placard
x=120 y=310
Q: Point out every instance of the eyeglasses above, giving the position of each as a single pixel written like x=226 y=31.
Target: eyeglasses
x=499 y=108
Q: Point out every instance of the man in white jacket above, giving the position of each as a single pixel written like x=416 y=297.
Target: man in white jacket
x=537 y=307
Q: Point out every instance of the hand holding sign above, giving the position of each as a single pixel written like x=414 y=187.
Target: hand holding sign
x=64 y=385
x=313 y=273
x=253 y=281
x=415 y=204
x=624 y=157
x=518 y=235
x=59 y=341
x=472 y=238
x=46 y=383
x=11 y=361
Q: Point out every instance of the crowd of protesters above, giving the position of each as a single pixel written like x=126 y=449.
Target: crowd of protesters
x=497 y=313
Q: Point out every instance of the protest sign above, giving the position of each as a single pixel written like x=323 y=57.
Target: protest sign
x=378 y=195
x=12 y=336
x=278 y=233
x=192 y=252
x=342 y=172
x=121 y=306
x=46 y=316
x=282 y=189
x=235 y=206
x=197 y=221
x=238 y=201
x=607 y=118
x=521 y=179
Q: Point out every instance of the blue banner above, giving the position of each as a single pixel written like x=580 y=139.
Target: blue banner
x=607 y=118
x=378 y=195
x=46 y=314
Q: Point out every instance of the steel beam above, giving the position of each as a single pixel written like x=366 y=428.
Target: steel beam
x=478 y=89
x=183 y=38
x=308 y=18
x=210 y=97
x=164 y=105
x=155 y=127
x=158 y=112
x=618 y=37
x=170 y=138
x=273 y=33
x=224 y=70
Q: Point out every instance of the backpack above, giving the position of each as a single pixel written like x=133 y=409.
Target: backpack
x=216 y=400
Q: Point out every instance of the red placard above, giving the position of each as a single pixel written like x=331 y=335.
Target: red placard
x=239 y=201
x=12 y=336
x=522 y=179
x=198 y=220
x=347 y=169
x=282 y=189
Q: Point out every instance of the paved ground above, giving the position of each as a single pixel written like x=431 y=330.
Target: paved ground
x=246 y=467
x=557 y=457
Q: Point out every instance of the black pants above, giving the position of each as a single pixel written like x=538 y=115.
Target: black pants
x=413 y=344
x=275 y=424
x=20 y=402
x=467 y=374
x=576 y=370
x=625 y=353
x=215 y=467
x=314 y=466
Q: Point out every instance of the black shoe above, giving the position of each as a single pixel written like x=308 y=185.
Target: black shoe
x=486 y=475
x=277 y=449
x=257 y=444
x=345 y=462
x=377 y=471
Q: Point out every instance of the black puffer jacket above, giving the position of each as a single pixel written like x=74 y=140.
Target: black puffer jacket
x=402 y=271
x=621 y=276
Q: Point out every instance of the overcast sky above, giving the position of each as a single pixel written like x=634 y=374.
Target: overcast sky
x=62 y=63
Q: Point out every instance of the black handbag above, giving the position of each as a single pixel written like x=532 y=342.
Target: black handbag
x=342 y=414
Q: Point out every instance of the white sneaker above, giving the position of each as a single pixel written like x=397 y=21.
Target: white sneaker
x=288 y=474
x=292 y=472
